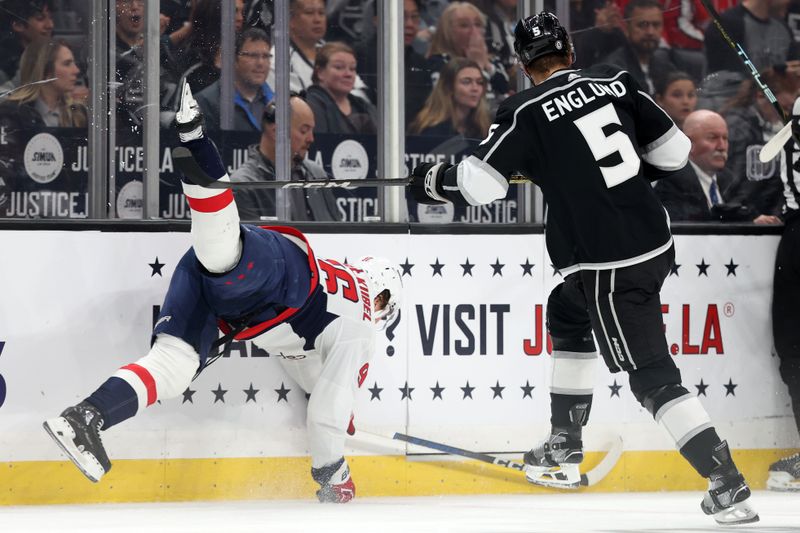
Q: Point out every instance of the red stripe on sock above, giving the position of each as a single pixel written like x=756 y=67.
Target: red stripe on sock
x=147 y=379
x=213 y=204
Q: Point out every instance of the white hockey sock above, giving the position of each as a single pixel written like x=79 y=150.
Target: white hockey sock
x=215 y=226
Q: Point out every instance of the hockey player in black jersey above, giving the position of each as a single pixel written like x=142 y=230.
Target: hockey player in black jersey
x=592 y=140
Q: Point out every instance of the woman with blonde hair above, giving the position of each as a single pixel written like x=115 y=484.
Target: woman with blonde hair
x=457 y=104
x=50 y=103
x=461 y=33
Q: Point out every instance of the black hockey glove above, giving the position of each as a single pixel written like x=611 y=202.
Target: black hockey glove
x=426 y=183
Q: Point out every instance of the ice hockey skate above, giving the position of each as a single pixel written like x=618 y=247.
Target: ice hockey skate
x=77 y=433
x=554 y=462
x=188 y=118
x=728 y=496
x=336 y=485
x=784 y=474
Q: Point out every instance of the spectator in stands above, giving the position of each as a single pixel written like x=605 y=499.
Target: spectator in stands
x=202 y=59
x=336 y=108
x=251 y=91
x=130 y=67
x=598 y=41
x=501 y=18
x=676 y=93
x=417 y=79
x=307 y=26
x=752 y=120
x=457 y=105
x=36 y=105
x=702 y=190
x=767 y=40
x=305 y=204
x=643 y=25
x=23 y=21
x=461 y=33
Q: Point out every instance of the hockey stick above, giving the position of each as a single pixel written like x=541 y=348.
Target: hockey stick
x=776 y=147
x=590 y=478
x=185 y=162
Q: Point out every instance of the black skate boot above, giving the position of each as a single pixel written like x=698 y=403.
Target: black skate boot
x=784 y=475
x=554 y=462
x=728 y=496
x=77 y=433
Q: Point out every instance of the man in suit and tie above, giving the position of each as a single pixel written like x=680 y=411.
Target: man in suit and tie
x=699 y=192
x=304 y=204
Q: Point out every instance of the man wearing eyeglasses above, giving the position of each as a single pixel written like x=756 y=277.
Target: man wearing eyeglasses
x=251 y=91
x=640 y=55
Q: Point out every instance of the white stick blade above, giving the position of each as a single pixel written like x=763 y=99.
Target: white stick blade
x=774 y=146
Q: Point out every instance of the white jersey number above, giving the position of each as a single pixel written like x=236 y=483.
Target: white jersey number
x=591 y=127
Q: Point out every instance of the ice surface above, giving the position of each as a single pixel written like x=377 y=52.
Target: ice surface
x=552 y=513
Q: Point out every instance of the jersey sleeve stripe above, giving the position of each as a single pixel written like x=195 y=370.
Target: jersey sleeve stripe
x=668 y=152
x=473 y=184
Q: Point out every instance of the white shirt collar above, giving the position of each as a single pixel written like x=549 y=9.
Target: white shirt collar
x=705 y=180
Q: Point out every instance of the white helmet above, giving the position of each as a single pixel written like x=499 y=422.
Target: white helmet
x=383 y=275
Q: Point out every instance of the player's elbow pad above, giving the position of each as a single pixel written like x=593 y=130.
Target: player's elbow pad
x=670 y=153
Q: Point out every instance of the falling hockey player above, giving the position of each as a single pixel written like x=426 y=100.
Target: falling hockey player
x=592 y=140
x=263 y=284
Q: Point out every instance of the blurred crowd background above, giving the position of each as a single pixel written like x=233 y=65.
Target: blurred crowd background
x=459 y=66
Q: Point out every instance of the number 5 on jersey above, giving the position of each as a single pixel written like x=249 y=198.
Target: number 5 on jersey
x=591 y=127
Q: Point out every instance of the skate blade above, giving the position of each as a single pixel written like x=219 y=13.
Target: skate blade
x=563 y=477
x=738 y=513
x=61 y=432
x=782 y=482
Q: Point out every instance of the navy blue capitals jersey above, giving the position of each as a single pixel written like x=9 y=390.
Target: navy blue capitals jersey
x=592 y=140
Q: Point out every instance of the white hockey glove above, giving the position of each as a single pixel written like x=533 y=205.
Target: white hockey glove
x=188 y=118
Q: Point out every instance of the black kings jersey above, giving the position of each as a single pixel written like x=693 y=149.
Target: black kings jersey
x=586 y=138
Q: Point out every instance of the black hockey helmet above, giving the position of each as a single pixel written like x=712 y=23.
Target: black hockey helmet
x=539 y=35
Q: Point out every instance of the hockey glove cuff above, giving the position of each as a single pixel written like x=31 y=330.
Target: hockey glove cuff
x=426 y=185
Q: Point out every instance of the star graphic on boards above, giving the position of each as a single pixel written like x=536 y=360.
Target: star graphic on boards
x=673 y=270
x=307 y=395
x=555 y=270
x=467 y=268
x=467 y=391
x=701 y=389
x=283 y=393
x=527 y=268
x=251 y=393
x=729 y=388
x=156 y=268
x=187 y=395
x=437 y=391
x=614 y=389
x=702 y=268
x=406 y=390
x=731 y=268
x=497 y=390
x=527 y=390
x=219 y=394
x=375 y=392
x=497 y=268
x=406 y=267
x=437 y=268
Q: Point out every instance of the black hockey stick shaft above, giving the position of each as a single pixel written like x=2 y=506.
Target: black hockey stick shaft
x=592 y=477
x=452 y=450
x=187 y=165
x=746 y=60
